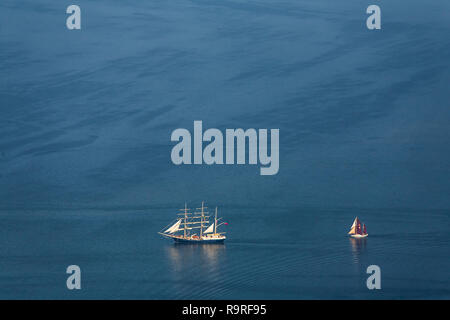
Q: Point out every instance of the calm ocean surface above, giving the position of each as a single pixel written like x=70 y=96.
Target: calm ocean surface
x=85 y=170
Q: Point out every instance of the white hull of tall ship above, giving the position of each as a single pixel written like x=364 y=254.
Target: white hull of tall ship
x=196 y=239
x=358 y=235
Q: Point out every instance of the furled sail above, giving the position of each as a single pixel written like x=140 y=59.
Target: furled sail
x=210 y=229
x=174 y=228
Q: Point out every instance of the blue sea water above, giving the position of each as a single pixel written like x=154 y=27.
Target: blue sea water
x=85 y=170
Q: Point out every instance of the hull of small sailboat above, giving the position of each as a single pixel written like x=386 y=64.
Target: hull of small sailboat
x=358 y=235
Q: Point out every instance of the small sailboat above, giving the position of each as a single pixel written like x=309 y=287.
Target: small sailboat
x=358 y=231
x=196 y=227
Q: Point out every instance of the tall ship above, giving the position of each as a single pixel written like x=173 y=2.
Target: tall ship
x=195 y=227
x=358 y=230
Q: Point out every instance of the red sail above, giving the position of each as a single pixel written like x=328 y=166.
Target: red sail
x=364 y=229
x=358 y=228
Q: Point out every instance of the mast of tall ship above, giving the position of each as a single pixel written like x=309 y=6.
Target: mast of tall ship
x=198 y=217
x=185 y=216
x=185 y=219
x=201 y=219
x=215 y=222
